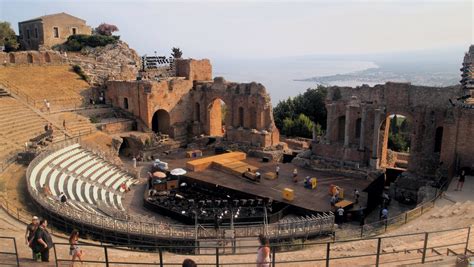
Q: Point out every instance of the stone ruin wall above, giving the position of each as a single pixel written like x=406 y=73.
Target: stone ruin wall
x=47 y=57
x=189 y=100
x=426 y=108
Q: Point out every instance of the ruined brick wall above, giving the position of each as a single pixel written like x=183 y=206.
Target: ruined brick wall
x=196 y=70
x=370 y=107
x=194 y=107
x=31 y=57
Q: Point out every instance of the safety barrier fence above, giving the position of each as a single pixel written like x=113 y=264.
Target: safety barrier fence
x=412 y=248
x=382 y=226
x=8 y=251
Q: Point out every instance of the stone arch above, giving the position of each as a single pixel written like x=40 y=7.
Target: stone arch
x=11 y=58
x=390 y=156
x=160 y=123
x=47 y=58
x=217 y=117
x=29 y=58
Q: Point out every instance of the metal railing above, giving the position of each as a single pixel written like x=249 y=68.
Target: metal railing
x=302 y=228
x=8 y=257
x=421 y=247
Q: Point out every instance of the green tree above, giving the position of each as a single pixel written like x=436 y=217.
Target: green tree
x=176 y=52
x=311 y=103
x=394 y=124
x=8 y=37
x=302 y=126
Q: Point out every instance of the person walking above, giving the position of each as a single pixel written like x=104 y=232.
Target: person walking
x=263 y=253
x=356 y=196
x=340 y=215
x=48 y=106
x=43 y=241
x=295 y=175
x=277 y=170
x=30 y=234
x=74 y=249
x=134 y=162
x=462 y=178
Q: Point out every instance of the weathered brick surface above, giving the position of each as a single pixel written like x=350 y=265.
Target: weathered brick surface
x=426 y=109
x=195 y=106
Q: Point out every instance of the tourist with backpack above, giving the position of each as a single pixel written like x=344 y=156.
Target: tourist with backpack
x=43 y=241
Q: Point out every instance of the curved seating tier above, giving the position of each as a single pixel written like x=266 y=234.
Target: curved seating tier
x=85 y=179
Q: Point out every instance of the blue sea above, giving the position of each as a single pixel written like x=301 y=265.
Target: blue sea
x=279 y=75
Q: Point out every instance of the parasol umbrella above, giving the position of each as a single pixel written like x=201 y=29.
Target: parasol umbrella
x=178 y=172
x=159 y=175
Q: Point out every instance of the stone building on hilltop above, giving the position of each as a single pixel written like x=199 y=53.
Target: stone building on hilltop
x=49 y=30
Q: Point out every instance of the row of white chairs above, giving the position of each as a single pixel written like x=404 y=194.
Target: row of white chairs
x=82 y=176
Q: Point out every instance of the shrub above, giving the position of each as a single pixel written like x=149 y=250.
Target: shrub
x=79 y=41
x=78 y=70
x=106 y=29
x=302 y=126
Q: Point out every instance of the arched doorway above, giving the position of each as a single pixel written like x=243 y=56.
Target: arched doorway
x=29 y=58
x=47 y=58
x=11 y=57
x=217 y=114
x=125 y=103
x=396 y=141
x=160 y=122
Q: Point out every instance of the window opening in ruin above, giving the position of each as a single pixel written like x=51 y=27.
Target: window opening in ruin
x=160 y=122
x=28 y=33
x=74 y=31
x=36 y=33
x=11 y=58
x=125 y=103
x=56 y=32
x=29 y=58
x=357 y=129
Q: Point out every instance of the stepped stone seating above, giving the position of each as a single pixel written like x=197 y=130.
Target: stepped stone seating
x=85 y=179
x=18 y=124
x=59 y=84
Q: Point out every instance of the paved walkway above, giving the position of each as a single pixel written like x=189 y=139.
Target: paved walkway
x=467 y=192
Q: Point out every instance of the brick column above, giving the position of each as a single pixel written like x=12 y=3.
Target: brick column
x=347 y=126
x=375 y=141
x=362 y=128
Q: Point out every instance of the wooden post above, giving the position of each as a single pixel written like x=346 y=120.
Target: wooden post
x=424 y=248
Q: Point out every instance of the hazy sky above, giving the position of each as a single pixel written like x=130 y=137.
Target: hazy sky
x=249 y=29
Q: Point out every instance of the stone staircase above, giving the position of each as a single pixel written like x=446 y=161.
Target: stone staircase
x=76 y=124
x=18 y=124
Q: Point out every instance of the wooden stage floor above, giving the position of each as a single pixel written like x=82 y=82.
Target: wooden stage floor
x=316 y=199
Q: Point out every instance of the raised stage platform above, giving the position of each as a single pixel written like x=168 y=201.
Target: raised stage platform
x=313 y=199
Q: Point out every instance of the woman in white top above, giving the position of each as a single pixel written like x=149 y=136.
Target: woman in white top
x=263 y=253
